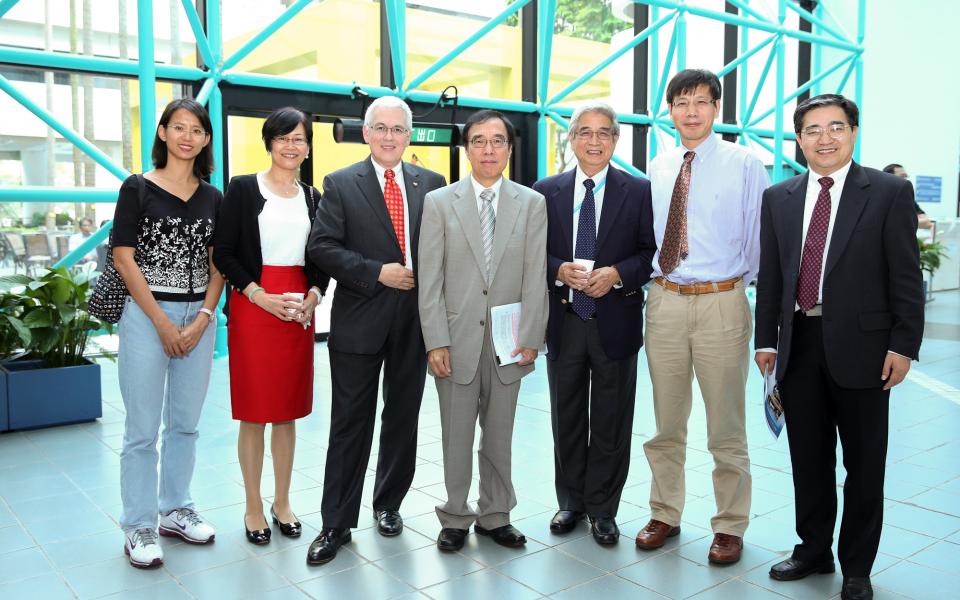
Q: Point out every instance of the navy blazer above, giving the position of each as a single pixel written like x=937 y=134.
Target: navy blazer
x=872 y=285
x=625 y=240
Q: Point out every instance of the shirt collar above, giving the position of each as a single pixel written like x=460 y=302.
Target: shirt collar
x=380 y=169
x=704 y=149
x=581 y=177
x=477 y=188
x=839 y=176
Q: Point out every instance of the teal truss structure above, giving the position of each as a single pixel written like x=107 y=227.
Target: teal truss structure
x=759 y=34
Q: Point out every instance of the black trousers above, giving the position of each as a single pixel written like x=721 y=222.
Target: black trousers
x=816 y=409
x=591 y=403
x=354 y=378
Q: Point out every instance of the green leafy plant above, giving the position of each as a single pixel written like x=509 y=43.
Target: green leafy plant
x=14 y=335
x=54 y=311
x=931 y=253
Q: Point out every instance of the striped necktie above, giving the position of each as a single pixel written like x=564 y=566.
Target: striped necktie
x=488 y=222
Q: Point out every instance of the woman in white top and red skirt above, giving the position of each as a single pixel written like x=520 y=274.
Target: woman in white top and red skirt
x=260 y=247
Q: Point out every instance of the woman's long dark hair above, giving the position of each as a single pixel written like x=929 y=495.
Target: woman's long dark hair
x=203 y=163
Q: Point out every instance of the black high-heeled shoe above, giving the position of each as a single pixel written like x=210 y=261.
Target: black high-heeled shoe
x=258 y=536
x=288 y=529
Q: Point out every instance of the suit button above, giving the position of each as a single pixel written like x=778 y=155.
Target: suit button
x=484 y=292
x=481 y=323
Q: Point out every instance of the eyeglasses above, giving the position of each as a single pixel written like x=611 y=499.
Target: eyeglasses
x=182 y=130
x=683 y=104
x=285 y=140
x=381 y=130
x=602 y=135
x=497 y=143
x=834 y=130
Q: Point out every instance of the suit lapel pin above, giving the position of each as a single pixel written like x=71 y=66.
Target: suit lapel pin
x=414 y=183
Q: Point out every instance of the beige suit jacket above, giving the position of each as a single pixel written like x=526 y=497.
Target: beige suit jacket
x=455 y=296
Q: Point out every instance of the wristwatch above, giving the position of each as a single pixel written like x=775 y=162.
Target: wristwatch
x=209 y=314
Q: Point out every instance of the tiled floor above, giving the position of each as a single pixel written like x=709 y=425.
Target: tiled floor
x=59 y=502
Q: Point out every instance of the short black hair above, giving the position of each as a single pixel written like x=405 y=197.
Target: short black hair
x=83 y=220
x=203 y=163
x=892 y=167
x=482 y=116
x=689 y=80
x=284 y=120
x=848 y=106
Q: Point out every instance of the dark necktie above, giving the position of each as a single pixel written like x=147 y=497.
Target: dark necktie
x=675 y=245
x=584 y=305
x=811 y=265
x=394 y=200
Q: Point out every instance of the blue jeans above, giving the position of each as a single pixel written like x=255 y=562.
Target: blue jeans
x=154 y=387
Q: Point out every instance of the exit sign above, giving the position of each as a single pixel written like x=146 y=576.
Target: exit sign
x=432 y=136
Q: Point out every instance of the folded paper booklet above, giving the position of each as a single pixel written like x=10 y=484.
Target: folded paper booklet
x=505 y=332
x=772 y=407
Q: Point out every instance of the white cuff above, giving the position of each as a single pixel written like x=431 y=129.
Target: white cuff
x=316 y=292
x=770 y=350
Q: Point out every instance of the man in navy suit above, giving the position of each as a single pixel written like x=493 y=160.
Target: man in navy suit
x=600 y=246
x=840 y=317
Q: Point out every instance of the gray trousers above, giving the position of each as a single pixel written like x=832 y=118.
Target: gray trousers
x=460 y=405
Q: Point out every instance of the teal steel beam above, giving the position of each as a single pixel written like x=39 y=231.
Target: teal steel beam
x=476 y=35
x=742 y=79
x=396 y=17
x=626 y=166
x=744 y=7
x=760 y=142
x=814 y=20
x=681 y=31
x=203 y=46
x=744 y=56
x=546 y=15
x=542 y=146
x=745 y=117
x=817 y=53
x=846 y=76
x=94 y=65
x=205 y=90
x=261 y=37
x=147 y=79
x=95 y=239
x=498 y=104
x=858 y=78
x=806 y=86
x=653 y=49
x=44 y=193
x=78 y=140
x=778 y=119
x=215 y=108
x=603 y=64
x=662 y=85
x=288 y=83
x=6 y=5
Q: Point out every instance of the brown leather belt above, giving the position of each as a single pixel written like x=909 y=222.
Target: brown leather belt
x=695 y=289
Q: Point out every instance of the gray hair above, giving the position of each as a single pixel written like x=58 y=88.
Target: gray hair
x=387 y=102
x=594 y=106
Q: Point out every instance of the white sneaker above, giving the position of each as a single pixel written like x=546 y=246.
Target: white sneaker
x=186 y=523
x=142 y=548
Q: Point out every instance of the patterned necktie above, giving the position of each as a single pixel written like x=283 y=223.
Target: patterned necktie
x=811 y=265
x=394 y=200
x=584 y=305
x=675 y=246
x=488 y=222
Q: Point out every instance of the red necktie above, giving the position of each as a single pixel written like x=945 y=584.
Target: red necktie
x=675 y=245
x=811 y=265
x=394 y=200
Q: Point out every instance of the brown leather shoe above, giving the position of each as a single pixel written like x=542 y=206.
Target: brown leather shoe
x=725 y=549
x=655 y=534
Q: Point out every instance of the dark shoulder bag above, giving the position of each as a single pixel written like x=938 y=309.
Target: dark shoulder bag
x=110 y=293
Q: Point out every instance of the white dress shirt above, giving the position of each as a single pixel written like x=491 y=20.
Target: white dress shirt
x=723 y=211
x=398 y=177
x=809 y=202
x=284 y=227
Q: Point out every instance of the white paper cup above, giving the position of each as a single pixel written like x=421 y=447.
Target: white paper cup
x=299 y=296
x=585 y=262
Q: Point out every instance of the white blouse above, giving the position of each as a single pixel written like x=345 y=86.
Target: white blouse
x=284 y=227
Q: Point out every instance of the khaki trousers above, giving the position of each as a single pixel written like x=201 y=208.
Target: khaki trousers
x=707 y=335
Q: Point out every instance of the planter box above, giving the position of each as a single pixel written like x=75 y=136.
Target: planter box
x=38 y=397
x=4 y=420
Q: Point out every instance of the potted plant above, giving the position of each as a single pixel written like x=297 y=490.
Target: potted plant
x=931 y=253
x=52 y=383
x=14 y=337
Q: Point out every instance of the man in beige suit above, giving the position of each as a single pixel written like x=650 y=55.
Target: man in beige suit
x=482 y=244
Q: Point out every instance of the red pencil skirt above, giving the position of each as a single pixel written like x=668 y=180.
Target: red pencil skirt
x=271 y=361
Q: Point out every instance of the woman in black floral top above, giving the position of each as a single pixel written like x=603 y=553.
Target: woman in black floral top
x=162 y=233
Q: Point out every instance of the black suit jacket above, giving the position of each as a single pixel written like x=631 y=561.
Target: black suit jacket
x=872 y=286
x=352 y=239
x=236 y=241
x=625 y=240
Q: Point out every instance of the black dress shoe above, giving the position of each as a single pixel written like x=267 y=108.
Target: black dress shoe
x=565 y=520
x=605 y=530
x=257 y=536
x=856 y=588
x=508 y=535
x=288 y=529
x=450 y=539
x=324 y=547
x=794 y=568
x=389 y=522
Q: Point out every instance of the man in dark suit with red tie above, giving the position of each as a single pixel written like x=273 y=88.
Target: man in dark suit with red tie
x=365 y=236
x=600 y=247
x=839 y=316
